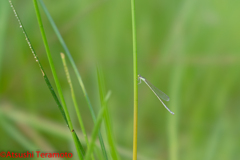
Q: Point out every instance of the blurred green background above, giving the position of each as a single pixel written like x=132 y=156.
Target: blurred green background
x=189 y=49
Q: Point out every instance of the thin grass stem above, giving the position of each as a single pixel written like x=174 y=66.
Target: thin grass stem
x=78 y=145
x=74 y=100
x=135 y=82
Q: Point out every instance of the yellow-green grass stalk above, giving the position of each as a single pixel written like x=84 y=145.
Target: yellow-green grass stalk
x=74 y=100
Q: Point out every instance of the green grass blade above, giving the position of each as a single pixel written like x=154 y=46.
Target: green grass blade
x=103 y=99
x=74 y=100
x=76 y=140
x=135 y=82
x=68 y=54
x=51 y=62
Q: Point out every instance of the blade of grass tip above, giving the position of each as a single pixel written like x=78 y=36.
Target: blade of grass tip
x=68 y=54
x=78 y=145
x=103 y=100
x=135 y=82
x=95 y=133
x=74 y=100
x=45 y=77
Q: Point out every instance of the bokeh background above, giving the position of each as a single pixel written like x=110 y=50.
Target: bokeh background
x=190 y=49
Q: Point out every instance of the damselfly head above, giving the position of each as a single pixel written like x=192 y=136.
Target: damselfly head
x=140 y=77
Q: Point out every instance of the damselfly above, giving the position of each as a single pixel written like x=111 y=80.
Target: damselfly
x=160 y=95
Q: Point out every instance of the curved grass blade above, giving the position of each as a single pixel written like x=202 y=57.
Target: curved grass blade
x=76 y=140
x=68 y=54
x=39 y=64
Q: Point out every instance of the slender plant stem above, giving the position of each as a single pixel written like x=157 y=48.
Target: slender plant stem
x=135 y=82
x=74 y=98
x=76 y=140
x=75 y=101
x=68 y=54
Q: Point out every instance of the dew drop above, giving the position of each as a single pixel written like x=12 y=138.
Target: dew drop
x=20 y=26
